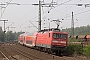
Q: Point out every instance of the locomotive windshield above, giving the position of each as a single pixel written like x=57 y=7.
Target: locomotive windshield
x=59 y=36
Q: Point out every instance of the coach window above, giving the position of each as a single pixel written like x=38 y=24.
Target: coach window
x=24 y=38
x=49 y=34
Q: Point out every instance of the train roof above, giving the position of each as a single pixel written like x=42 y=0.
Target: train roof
x=52 y=29
x=26 y=34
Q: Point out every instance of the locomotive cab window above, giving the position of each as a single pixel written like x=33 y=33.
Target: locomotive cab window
x=63 y=36
x=59 y=36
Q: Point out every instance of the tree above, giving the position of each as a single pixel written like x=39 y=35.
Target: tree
x=2 y=36
x=10 y=36
x=83 y=30
x=0 y=28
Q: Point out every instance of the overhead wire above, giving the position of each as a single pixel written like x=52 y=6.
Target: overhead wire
x=42 y=13
x=76 y=10
x=50 y=9
x=67 y=4
x=58 y=5
x=33 y=24
x=77 y=13
x=69 y=14
x=62 y=4
x=5 y=8
x=82 y=12
x=9 y=25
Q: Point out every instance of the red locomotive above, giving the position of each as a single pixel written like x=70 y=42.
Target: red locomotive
x=48 y=40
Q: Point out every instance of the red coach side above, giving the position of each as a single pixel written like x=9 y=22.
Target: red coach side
x=28 y=40
x=21 y=39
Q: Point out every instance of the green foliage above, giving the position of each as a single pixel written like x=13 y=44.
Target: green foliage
x=0 y=28
x=83 y=30
x=2 y=35
x=86 y=51
x=74 y=49
x=74 y=40
x=9 y=36
x=70 y=50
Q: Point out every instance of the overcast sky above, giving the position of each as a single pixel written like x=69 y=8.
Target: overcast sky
x=18 y=16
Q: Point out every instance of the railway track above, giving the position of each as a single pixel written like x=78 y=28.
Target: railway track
x=15 y=51
x=3 y=56
x=11 y=50
x=36 y=53
x=25 y=54
x=9 y=53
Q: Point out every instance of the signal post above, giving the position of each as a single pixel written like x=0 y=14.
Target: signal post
x=4 y=28
x=4 y=24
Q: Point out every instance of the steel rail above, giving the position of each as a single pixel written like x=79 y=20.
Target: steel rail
x=32 y=57
x=4 y=55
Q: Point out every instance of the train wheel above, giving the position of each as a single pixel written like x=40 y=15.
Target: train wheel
x=49 y=51
x=58 y=52
x=45 y=50
x=40 y=49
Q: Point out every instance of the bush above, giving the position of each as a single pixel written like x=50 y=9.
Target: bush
x=86 y=51
x=74 y=49
x=74 y=40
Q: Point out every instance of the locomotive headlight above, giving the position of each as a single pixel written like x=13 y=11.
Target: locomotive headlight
x=54 y=41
